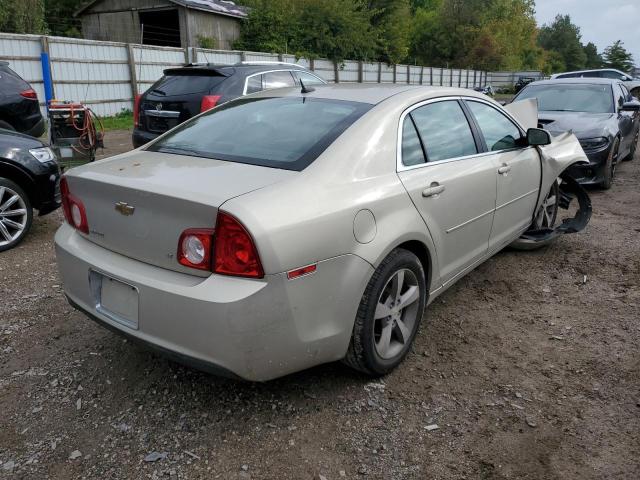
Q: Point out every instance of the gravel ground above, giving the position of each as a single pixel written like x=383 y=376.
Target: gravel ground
x=529 y=366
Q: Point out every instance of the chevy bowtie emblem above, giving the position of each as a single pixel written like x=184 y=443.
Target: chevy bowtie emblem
x=125 y=209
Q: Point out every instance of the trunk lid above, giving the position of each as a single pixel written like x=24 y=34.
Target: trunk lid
x=138 y=204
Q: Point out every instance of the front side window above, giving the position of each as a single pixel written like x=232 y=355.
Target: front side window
x=499 y=132
x=278 y=80
x=612 y=74
x=444 y=130
x=281 y=132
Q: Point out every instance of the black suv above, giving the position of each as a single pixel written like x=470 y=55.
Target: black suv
x=19 y=106
x=184 y=92
x=29 y=178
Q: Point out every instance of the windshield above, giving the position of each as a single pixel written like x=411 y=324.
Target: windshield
x=283 y=132
x=570 y=98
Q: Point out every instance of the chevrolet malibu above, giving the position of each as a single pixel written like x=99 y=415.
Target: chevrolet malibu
x=292 y=228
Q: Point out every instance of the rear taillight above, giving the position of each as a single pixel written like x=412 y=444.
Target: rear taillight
x=194 y=248
x=30 y=94
x=235 y=251
x=73 y=208
x=136 y=110
x=208 y=102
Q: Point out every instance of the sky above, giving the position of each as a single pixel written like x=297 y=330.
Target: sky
x=601 y=21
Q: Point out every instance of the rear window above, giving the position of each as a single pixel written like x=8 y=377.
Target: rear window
x=9 y=78
x=578 y=97
x=185 y=84
x=283 y=132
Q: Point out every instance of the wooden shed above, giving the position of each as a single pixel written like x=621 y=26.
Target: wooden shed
x=171 y=23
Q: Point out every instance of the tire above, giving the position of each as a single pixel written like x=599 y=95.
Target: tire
x=368 y=351
x=6 y=126
x=634 y=147
x=16 y=214
x=610 y=166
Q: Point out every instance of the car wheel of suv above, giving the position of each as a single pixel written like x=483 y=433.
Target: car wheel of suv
x=389 y=315
x=6 y=126
x=610 y=166
x=634 y=147
x=16 y=214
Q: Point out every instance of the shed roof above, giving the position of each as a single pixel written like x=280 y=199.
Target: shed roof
x=219 y=7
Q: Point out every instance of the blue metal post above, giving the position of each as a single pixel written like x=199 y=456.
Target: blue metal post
x=46 y=77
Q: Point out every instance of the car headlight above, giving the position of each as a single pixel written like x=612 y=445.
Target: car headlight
x=593 y=143
x=43 y=155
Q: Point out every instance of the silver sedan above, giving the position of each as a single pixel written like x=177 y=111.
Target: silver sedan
x=292 y=228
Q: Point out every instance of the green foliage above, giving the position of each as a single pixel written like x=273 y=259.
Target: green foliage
x=616 y=56
x=563 y=37
x=22 y=16
x=59 y=17
x=594 y=59
x=207 y=42
x=121 y=121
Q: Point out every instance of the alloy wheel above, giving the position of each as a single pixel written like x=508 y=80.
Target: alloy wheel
x=13 y=215
x=546 y=215
x=396 y=314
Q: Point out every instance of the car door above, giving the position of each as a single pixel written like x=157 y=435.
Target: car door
x=451 y=185
x=626 y=120
x=517 y=168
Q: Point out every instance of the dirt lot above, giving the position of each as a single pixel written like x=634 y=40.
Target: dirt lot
x=529 y=371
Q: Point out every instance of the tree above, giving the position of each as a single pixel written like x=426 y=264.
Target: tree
x=594 y=59
x=22 y=16
x=563 y=37
x=59 y=17
x=392 y=20
x=616 y=56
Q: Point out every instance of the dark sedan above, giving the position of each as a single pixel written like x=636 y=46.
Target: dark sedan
x=29 y=178
x=19 y=106
x=600 y=112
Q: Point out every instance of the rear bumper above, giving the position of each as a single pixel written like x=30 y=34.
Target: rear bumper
x=253 y=329
x=140 y=137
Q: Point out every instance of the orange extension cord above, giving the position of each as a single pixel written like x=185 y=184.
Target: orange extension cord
x=90 y=136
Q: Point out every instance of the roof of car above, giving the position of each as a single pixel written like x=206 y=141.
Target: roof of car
x=372 y=93
x=586 y=71
x=577 y=80
x=247 y=67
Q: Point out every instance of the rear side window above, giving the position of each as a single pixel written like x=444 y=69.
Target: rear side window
x=308 y=78
x=568 y=75
x=444 y=130
x=499 y=132
x=412 y=153
x=278 y=80
x=282 y=132
x=185 y=84
x=254 y=84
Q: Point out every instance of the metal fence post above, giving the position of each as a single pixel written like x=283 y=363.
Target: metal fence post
x=467 y=78
x=132 y=70
x=335 y=72
x=360 y=72
x=379 y=72
x=408 y=73
x=395 y=70
x=441 y=76
x=312 y=64
x=422 y=75
x=431 y=76
x=47 y=77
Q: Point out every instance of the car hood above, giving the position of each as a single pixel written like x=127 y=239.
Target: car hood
x=583 y=125
x=18 y=140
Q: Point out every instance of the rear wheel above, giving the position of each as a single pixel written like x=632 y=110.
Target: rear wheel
x=16 y=214
x=389 y=315
x=610 y=166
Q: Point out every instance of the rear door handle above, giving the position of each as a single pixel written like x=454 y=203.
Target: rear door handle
x=504 y=169
x=434 y=189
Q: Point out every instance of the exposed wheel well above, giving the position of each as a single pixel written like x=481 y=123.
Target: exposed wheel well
x=421 y=251
x=21 y=179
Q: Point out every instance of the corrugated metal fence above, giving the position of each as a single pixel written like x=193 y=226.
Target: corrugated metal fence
x=107 y=75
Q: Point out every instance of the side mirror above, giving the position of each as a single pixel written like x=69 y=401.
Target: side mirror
x=630 y=106
x=537 y=137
